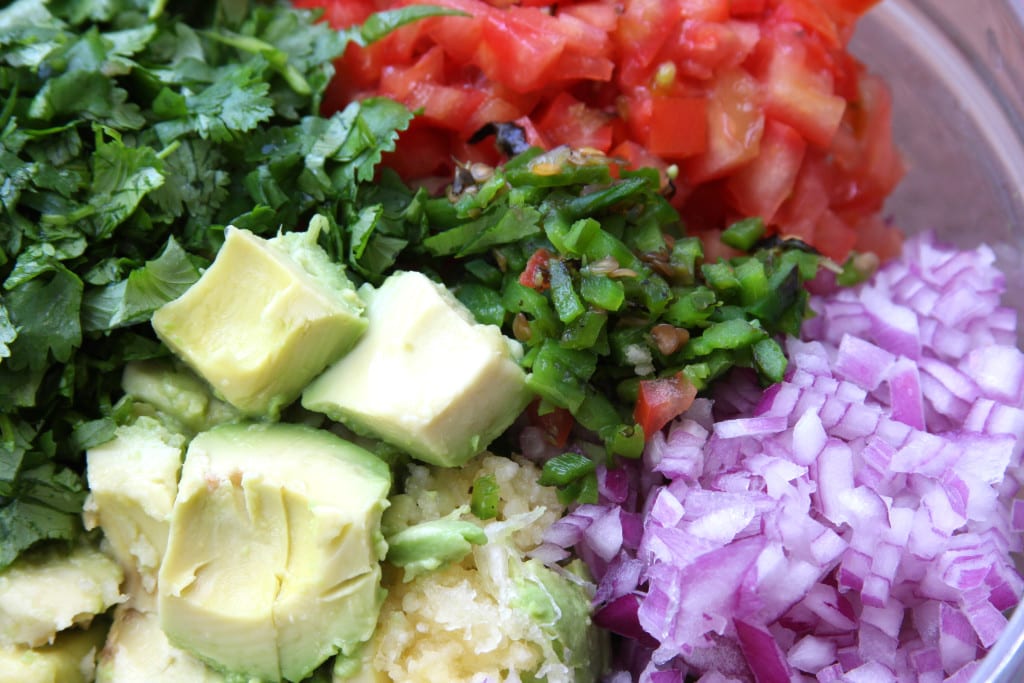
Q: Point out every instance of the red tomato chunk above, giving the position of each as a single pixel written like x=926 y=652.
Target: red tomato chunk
x=754 y=107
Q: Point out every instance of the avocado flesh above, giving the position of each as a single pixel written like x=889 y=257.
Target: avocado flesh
x=262 y=321
x=133 y=480
x=562 y=609
x=137 y=651
x=49 y=590
x=181 y=397
x=70 y=659
x=425 y=377
x=272 y=565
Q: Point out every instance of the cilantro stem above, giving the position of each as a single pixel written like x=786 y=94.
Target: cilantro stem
x=156 y=8
x=168 y=150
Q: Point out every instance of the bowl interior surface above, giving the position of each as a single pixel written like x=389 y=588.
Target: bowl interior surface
x=956 y=70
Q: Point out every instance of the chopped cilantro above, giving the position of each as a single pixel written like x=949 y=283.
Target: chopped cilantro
x=131 y=134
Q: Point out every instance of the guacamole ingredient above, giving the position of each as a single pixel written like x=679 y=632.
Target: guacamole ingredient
x=851 y=520
x=272 y=564
x=299 y=313
x=589 y=268
x=495 y=612
x=759 y=107
x=426 y=546
x=70 y=658
x=51 y=590
x=131 y=133
x=174 y=395
x=426 y=377
x=133 y=480
x=137 y=651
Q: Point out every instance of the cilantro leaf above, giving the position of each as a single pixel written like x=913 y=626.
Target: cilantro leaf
x=147 y=288
x=121 y=177
x=8 y=332
x=235 y=102
x=46 y=313
x=24 y=523
x=124 y=123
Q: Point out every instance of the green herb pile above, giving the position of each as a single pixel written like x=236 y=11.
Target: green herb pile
x=131 y=133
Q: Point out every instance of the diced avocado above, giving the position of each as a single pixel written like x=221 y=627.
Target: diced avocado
x=52 y=589
x=427 y=546
x=264 y=319
x=425 y=377
x=70 y=659
x=272 y=564
x=137 y=651
x=357 y=668
x=561 y=607
x=176 y=393
x=132 y=483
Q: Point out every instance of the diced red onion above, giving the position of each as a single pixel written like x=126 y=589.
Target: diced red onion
x=874 y=482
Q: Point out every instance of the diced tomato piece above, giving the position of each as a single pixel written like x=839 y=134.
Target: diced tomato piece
x=567 y=121
x=679 y=126
x=708 y=10
x=735 y=125
x=634 y=156
x=745 y=7
x=601 y=15
x=340 y=14
x=798 y=95
x=760 y=187
x=459 y=35
x=535 y=274
x=867 y=164
x=421 y=151
x=877 y=236
x=809 y=200
x=518 y=48
x=659 y=401
x=834 y=236
x=856 y=6
x=699 y=49
x=812 y=15
x=643 y=28
x=420 y=87
x=582 y=37
x=556 y=424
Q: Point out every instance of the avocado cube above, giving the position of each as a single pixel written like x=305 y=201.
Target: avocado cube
x=137 y=651
x=426 y=377
x=273 y=560
x=181 y=399
x=49 y=590
x=133 y=480
x=71 y=658
x=264 y=319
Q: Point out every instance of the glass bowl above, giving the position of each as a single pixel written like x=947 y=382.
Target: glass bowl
x=956 y=69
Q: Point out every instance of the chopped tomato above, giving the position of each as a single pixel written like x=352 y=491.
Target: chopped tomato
x=798 y=94
x=745 y=7
x=568 y=121
x=758 y=103
x=556 y=424
x=518 y=49
x=708 y=10
x=760 y=187
x=659 y=401
x=678 y=127
x=812 y=15
x=735 y=125
x=535 y=274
